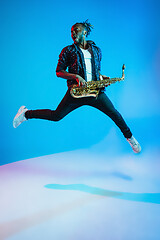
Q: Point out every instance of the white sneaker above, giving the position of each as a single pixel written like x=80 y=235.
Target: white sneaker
x=134 y=144
x=20 y=117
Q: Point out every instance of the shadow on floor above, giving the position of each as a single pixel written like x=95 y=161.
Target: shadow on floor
x=137 y=197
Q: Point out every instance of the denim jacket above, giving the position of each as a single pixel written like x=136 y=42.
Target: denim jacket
x=71 y=57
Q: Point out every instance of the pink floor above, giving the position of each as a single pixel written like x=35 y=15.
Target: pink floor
x=81 y=195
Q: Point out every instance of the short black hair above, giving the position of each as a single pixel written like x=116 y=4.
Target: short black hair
x=88 y=27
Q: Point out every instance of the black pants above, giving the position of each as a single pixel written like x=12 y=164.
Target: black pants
x=68 y=104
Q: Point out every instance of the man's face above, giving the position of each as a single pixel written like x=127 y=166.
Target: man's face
x=77 y=33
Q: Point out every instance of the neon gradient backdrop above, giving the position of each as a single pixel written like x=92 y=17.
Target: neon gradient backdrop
x=32 y=35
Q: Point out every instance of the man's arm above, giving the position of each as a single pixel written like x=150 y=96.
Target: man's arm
x=62 y=66
x=71 y=76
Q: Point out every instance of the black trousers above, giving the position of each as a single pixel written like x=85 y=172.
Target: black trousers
x=68 y=104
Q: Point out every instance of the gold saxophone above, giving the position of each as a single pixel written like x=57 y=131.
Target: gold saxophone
x=92 y=88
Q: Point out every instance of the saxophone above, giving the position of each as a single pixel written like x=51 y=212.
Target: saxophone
x=92 y=88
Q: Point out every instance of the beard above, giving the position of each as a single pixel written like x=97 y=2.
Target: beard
x=79 y=39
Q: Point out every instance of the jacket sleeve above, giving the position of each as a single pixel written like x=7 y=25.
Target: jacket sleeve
x=63 y=60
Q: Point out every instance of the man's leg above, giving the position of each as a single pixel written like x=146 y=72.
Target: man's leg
x=104 y=104
x=67 y=105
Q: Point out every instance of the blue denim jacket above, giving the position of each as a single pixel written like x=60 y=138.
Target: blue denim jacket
x=71 y=57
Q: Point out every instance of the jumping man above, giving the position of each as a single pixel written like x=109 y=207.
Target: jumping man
x=83 y=61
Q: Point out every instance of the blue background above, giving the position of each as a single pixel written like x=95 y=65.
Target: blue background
x=33 y=34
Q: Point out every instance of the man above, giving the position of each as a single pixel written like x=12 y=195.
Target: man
x=83 y=60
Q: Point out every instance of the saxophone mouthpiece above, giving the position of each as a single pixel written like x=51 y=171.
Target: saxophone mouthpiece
x=123 y=67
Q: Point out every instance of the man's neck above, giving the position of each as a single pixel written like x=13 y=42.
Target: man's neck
x=83 y=45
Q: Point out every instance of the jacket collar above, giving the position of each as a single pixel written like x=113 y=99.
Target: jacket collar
x=90 y=42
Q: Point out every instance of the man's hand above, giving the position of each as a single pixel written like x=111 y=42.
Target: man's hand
x=80 y=80
x=71 y=76
x=104 y=77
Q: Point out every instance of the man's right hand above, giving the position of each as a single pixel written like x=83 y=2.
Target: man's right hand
x=71 y=76
x=80 y=80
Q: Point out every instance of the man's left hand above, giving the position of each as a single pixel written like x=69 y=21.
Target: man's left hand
x=105 y=77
